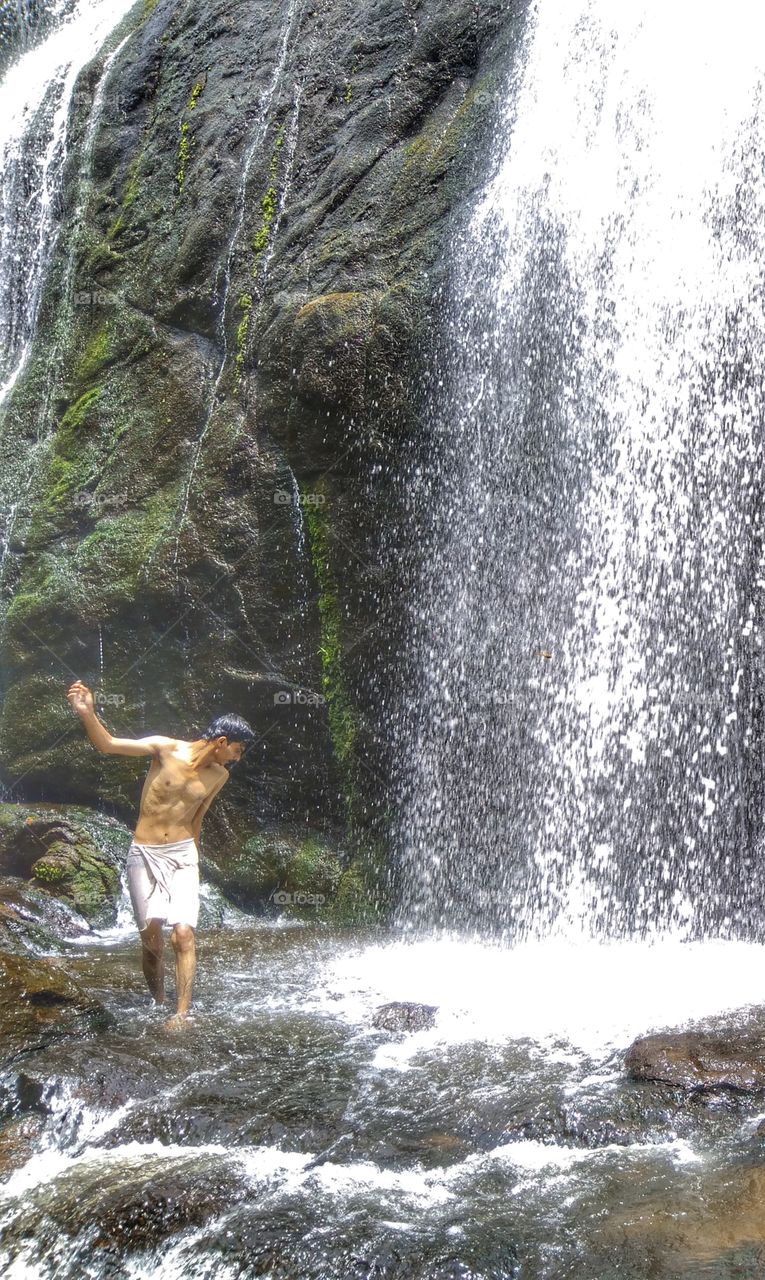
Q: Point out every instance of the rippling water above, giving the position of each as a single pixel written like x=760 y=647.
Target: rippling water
x=282 y=1135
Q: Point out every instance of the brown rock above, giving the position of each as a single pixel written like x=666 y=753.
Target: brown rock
x=700 y=1060
x=40 y=1002
x=18 y=1139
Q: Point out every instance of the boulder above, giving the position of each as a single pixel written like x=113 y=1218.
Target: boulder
x=33 y=921
x=127 y=1203
x=74 y=854
x=403 y=1015
x=299 y=873
x=700 y=1060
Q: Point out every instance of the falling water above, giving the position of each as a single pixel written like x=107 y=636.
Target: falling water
x=583 y=728
x=24 y=22
x=35 y=98
x=20 y=314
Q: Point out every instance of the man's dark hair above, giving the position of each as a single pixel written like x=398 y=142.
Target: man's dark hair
x=230 y=726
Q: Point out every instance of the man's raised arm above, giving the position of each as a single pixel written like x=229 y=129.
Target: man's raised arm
x=81 y=701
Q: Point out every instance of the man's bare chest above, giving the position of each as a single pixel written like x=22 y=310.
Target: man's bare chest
x=176 y=780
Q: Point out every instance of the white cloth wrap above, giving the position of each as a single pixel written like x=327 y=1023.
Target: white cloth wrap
x=163 y=881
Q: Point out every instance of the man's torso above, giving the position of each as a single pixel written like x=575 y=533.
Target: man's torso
x=172 y=792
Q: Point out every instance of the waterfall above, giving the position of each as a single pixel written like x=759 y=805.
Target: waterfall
x=35 y=99
x=23 y=22
x=582 y=726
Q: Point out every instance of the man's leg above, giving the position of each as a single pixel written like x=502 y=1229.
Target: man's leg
x=184 y=945
x=153 y=946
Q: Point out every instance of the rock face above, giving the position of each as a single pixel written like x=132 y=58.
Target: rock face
x=290 y=873
x=700 y=1060
x=59 y=876
x=225 y=372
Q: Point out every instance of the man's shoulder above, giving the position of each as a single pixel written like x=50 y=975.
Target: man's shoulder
x=164 y=746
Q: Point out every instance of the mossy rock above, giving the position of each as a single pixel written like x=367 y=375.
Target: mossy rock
x=70 y=860
x=363 y=895
x=270 y=861
x=273 y=868
x=356 y=210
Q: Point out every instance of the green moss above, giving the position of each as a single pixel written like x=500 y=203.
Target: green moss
x=269 y=203
x=62 y=481
x=362 y=895
x=66 y=471
x=66 y=441
x=184 y=144
x=99 y=257
x=52 y=872
x=433 y=149
x=353 y=903
x=336 y=306
x=76 y=869
x=92 y=887
x=97 y=354
x=112 y=557
x=315 y=868
x=29 y=599
x=244 y=302
x=342 y=714
x=130 y=195
x=132 y=185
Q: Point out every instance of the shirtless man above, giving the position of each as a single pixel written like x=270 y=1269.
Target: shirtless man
x=163 y=859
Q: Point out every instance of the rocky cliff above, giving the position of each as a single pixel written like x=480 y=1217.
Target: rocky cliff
x=256 y=208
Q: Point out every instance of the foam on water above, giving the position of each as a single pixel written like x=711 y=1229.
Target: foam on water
x=594 y=997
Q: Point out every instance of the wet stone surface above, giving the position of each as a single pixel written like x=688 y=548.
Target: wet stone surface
x=283 y=1134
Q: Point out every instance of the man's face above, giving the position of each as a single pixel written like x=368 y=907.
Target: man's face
x=228 y=751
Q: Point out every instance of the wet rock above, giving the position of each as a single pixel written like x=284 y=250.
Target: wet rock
x=66 y=1077
x=73 y=854
x=700 y=1060
x=714 y=1228
x=215 y=910
x=350 y=201
x=403 y=1015
x=112 y=1203
x=18 y=1138
x=33 y=921
x=283 y=873
x=40 y=1002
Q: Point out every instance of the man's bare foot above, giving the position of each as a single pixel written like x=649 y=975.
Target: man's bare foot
x=178 y=1022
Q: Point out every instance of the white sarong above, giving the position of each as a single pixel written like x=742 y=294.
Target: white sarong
x=163 y=880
